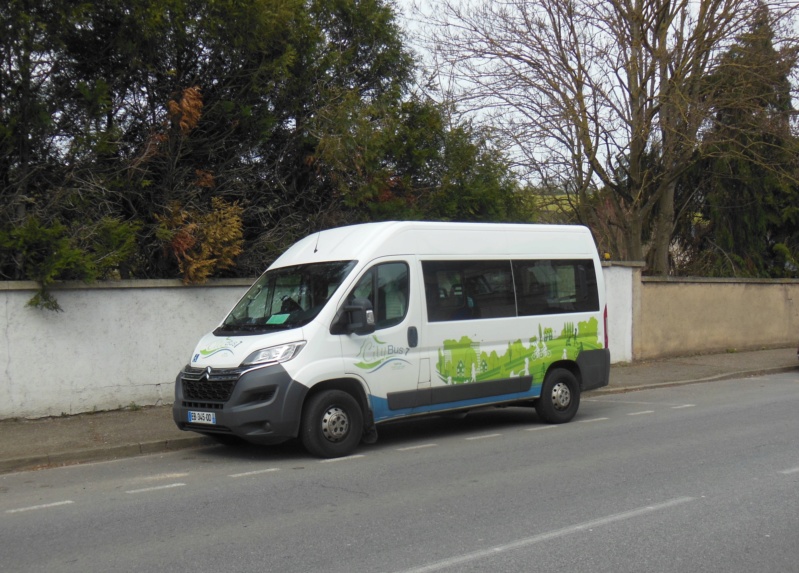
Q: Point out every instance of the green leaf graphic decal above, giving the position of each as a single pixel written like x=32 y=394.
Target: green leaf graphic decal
x=462 y=361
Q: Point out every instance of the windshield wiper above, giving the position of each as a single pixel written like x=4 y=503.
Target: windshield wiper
x=250 y=328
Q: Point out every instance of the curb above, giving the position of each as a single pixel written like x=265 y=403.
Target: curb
x=716 y=378
x=102 y=454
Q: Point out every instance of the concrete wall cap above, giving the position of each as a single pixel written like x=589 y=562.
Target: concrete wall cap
x=626 y=264
x=716 y=280
x=121 y=284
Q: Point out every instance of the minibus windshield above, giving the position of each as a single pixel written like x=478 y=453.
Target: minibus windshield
x=284 y=298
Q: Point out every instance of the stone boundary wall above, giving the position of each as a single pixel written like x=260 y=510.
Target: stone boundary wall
x=701 y=316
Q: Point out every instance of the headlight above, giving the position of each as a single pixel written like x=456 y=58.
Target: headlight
x=274 y=354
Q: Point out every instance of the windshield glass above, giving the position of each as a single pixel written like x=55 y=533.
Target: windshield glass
x=286 y=298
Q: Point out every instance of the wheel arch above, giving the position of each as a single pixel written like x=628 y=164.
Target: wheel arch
x=569 y=365
x=351 y=386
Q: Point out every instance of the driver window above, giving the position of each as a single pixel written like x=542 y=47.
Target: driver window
x=364 y=287
x=386 y=287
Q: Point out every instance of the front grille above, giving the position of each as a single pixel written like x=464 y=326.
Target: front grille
x=207 y=429
x=202 y=405
x=200 y=385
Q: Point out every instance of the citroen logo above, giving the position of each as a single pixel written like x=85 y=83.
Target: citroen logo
x=206 y=375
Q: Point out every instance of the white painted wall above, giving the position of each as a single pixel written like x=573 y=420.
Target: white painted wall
x=108 y=348
x=621 y=282
x=124 y=342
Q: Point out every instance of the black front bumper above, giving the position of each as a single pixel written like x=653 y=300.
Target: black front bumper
x=262 y=405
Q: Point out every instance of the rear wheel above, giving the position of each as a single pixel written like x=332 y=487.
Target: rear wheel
x=560 y=397
x=332 y=424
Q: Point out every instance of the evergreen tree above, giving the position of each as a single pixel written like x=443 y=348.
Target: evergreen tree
x=745 y=220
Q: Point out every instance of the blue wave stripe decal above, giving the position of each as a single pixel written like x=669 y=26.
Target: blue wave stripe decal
x=390 y=360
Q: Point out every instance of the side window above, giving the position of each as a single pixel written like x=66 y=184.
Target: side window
x=555 y=286
x=587 y=295
x=463 y=290
x=386 y=286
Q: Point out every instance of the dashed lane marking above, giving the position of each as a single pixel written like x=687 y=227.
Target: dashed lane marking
x=254 y=472
x=484 y=437
x=419 y=447
x=162 y=476
x=155 y=488
x=42 y=506
x=344 y=459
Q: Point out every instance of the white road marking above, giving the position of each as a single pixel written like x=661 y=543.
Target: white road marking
x=155 y=488
x=641 y=413
x=593 y=420
x=254 y=472
x=43 y=506
x=344 y=459
x=790 y=471
x=409 y=448
x=162 y=476
x=484 y=436
x=683 y=406
x=527 y=541
x=539 y=428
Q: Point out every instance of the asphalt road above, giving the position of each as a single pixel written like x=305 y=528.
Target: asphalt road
x=693 y=478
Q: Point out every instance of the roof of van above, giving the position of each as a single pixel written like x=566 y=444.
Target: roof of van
x=391 y=238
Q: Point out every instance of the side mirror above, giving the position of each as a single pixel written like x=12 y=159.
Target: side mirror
x=355 y=317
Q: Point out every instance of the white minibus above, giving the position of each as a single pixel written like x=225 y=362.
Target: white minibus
x=355 y=326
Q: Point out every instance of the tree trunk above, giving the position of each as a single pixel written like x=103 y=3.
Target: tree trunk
x=664 y=226
x=632 y=239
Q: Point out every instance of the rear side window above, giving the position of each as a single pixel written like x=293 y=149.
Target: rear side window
x=463 y=290
x=467 y=290
x=555 y=286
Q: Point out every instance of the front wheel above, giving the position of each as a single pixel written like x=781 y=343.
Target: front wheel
x=560 y=397
x=332 y=424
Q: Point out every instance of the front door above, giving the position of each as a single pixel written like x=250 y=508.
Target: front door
x=388 y=360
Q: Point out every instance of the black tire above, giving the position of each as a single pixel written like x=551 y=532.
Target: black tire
x=560 y=397
x=332 y=424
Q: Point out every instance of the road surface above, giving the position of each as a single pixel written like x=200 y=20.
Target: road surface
x=702 y=477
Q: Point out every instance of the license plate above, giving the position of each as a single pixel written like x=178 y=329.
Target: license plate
x=202 y=418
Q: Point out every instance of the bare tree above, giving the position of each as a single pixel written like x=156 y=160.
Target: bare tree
x=596 y=95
